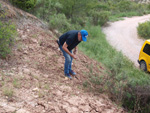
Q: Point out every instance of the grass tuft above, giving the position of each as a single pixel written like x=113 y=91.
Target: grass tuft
x=8 y=92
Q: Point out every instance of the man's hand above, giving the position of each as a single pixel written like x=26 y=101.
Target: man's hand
x=66 y=50
x=74 y=56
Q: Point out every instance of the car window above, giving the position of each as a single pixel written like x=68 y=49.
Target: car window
x=147 y=49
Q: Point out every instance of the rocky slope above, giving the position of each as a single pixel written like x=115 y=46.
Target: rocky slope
x=32 y=80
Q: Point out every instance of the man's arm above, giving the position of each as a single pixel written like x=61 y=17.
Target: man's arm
x=75 y=50
x=67 y=51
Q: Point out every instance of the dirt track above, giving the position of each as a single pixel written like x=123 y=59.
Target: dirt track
x=122 y=35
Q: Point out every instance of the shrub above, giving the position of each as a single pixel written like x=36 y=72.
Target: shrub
x=79 y=20
x=45 y=8
x=144 y=30
x=76 y=8
x=7 y=34
x=24 y=4
x=124 y=5
x=60 y=22
x=99 y=18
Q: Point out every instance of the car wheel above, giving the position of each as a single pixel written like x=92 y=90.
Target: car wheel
x=143 y=66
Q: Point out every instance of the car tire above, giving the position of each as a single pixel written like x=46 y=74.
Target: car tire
x=143 y=66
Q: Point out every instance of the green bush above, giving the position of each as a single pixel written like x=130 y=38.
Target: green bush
x=24 y=4
x=81 y=21
x=45 y=8
x=7 y=34
x=124 y=5
x=60 y=22
x=144 y=30
x=99 y=17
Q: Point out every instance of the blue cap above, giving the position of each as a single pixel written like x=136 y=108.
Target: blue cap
x=84 y=34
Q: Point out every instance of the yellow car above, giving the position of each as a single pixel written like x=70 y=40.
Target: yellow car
x=144 y=56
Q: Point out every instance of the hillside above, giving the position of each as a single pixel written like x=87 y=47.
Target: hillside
x=32 y=80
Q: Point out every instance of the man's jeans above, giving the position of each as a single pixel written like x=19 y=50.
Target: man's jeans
x=68 y=61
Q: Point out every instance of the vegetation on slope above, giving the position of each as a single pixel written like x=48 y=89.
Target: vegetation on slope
x=7 y=34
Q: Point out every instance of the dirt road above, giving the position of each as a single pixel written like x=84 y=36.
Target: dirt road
x=122 y=35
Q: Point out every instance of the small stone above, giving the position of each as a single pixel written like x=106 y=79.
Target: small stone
x=26 y=71
x=10 y=74
x=72 y=109
x=28 y=30
x=24 y=36
x=66 y=78
x=34 y=41
x=8 y=108
x=45 y=75
x=59 y=93
x=85 y=108
x=36 y=96
x=25 y=52
x=22 y=111
x=35 y=89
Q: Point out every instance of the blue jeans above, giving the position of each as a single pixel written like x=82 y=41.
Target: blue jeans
x=68 y=61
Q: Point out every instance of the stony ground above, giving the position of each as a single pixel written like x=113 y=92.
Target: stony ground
x=32 y=80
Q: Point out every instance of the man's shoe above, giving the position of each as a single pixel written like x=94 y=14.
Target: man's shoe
x=72 y=72
x=68 y=75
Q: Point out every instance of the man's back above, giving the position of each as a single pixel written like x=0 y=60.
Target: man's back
x=71 y=39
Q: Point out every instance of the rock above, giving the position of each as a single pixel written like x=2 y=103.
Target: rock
x=22 y=111
x=36 y=96
x=28 y=30
x=85 y=108
x=74 y=101
x=59 y=93
x=10 y=74
x=45 y=75
x=44 y=111
x=66 y=78
x=8 y=108
x=75 y=110
x=34 y=41
x=72 y=110
x=35 y=89
x=26 y=71
x=25 y=52
x=24 y=36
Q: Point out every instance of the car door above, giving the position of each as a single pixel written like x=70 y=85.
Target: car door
x=146 y=51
